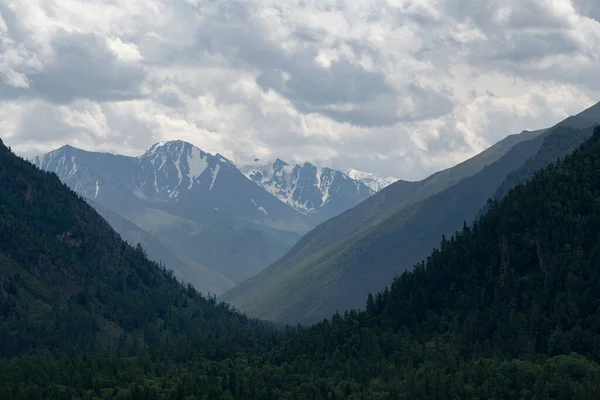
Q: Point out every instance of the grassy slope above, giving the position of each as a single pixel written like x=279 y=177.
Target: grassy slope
x=304 y=273
x=338 y=263
x=341 y=276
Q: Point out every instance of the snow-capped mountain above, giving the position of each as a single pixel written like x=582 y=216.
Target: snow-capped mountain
x=169 y=169
x=205 y=211
x=373 y=181
x=318 y=191
x=175 y=174
x=202 y=207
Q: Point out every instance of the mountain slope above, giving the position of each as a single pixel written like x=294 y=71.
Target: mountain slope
x=340 y=277
x=523 y=279
x=205 y=280
x=68 y=283
x=323 y=242
x=319 y=192
x=338 y=263
x=557 y=145
x=234 y=248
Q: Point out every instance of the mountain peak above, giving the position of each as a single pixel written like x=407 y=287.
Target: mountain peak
x=67 y=148
x=222 y=159
x=72 y=150
x=169 y=146
x=279 y=163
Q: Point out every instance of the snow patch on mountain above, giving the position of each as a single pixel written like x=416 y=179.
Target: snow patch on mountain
x=259 y=208
x=68 y=167
x=178 y=167
x=197 y=164
x=373 y=181
x=279 y=179
x=215 y=172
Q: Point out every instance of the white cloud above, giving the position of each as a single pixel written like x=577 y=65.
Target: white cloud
x=398 y=87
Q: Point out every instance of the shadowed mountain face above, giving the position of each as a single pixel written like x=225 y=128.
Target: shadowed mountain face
x=205 y=280
x=334 y=266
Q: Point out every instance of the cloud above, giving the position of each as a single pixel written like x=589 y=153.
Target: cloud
x=397 y=87
x=588 y=8
x=80 y=66
x=341 y=89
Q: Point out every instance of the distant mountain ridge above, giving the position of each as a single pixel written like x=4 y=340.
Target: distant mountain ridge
x=179 y=171
x=170 y=171
x=318 y=191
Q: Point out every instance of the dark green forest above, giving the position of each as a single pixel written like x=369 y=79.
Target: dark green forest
x=508 y=308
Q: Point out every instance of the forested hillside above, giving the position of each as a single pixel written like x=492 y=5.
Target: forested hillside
x=506 y=309
x=69 y=284
x=556 y=145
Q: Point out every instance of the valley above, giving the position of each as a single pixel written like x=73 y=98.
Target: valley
x=509 y=299
x=299 y=200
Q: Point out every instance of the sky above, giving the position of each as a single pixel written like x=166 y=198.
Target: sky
x=394 y=87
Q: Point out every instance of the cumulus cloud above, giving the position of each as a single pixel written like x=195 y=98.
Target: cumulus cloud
x=397 y=87
x=80 y=66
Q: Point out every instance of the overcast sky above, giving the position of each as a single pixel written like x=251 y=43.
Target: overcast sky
x=395 y=87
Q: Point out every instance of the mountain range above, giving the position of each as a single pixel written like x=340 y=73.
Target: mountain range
x=338 y=263
x=216 y=225
x=505 y=308
x=220 y=225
